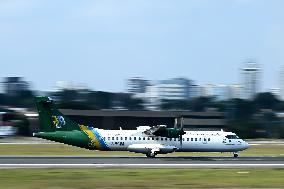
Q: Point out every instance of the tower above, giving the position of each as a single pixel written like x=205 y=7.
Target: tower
x=250 y=79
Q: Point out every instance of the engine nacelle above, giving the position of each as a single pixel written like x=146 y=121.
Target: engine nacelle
x=169 y=132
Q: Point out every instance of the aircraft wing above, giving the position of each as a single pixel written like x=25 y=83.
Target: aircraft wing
x=153 y=131
x=163 y=131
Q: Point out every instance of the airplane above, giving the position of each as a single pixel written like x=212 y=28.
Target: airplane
x=145 y=139
x=6 y=130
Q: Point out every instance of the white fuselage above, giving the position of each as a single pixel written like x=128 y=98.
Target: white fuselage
x=192 y=141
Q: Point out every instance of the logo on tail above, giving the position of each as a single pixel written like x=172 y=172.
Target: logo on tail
x=58 y=121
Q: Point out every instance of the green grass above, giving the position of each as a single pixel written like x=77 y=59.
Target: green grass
x=140 y=178
x=136 y=178
x=62 y=149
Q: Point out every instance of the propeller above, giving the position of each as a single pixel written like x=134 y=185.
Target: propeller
x=176 y=121
x=181 y=131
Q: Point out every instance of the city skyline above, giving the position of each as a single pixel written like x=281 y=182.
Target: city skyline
x=102 y=43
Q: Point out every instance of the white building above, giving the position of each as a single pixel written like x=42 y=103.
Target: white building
x=151 y=100
x=196 y=91
x=137 y=86
x=13 y=85
x=275 y=92
x=209 y=90
x=174 y=89
x=250 y=79
x=281 y=83
x=223 y=92
x=236 y=91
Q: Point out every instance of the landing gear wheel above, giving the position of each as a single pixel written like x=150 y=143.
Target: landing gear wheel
x=151 y=155
x=236 y=155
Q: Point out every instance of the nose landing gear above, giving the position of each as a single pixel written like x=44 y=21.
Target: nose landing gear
x=236 y=154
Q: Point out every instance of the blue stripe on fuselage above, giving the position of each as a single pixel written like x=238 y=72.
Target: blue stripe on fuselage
x=103 y=144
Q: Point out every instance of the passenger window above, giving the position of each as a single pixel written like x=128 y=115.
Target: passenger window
x=182 y=139
x=108 y=138
x=153 y=138
x=170 y=139
x=191 y=139
x=199 y=139
x=204 y=139
x=187 y=139
x=134 y=138
x=162 y=139
x=175 y=139
x=125 y=138
x=208 y=139
x=195 y=139
x=129 y=138
x=143 y=138
x=166 y=139
x=148 y=138
x=157 y=138
x=112 y=138
x=121 y=138
x=139 y=138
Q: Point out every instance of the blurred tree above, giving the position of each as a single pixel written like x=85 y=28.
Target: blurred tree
x=175 y=105
x=279 y=106
x=100 y=99
x=266 y=101
x=201 y=104
x=243 y=109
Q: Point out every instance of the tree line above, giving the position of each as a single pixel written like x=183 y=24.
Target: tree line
x=252 y=118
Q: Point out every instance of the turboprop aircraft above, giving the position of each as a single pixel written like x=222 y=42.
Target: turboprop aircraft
x=145 y=139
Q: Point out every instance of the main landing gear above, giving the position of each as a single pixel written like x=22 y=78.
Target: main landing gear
x=236 y=154
x=151 y=155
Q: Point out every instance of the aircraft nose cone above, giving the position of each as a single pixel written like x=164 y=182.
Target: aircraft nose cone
x=246 y=145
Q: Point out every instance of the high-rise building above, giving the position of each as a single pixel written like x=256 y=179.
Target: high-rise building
x=250 y=79
x=223 y=92
x=137 y=86
x=152 y=101
x=281 y=83
x=275 y=92
x=174 y=89
x=196 y=91
x=236 y=91
x=14 y=85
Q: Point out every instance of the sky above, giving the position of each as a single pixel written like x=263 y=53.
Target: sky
x=102 y=43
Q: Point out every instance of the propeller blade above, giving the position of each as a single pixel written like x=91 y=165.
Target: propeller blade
x=180 y=140
x=175 y=126
x=181 y=123
x=181 y=131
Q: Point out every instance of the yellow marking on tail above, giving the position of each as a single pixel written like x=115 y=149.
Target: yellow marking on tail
x=91 y=136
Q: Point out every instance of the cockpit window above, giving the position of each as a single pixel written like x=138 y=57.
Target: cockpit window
x=232 y=137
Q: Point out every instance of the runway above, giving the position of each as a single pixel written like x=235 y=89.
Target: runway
x=138 y=162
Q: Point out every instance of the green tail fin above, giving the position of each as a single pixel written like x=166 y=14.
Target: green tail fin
x=51 y=119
